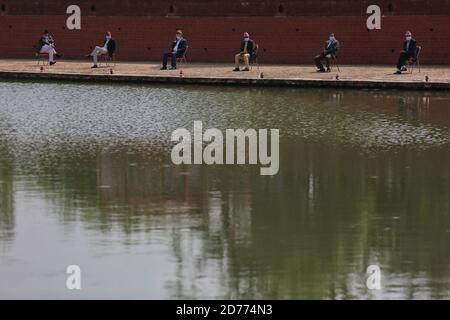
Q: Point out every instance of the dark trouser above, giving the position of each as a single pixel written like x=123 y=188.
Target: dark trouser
x=173 y=56
x=318 y=60
x=404 y=56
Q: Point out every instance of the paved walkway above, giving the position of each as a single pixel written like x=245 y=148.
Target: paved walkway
x=349 y=74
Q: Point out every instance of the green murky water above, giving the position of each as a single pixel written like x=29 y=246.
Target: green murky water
x=86 y=179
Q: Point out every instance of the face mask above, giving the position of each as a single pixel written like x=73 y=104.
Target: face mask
x=108 y=37
x=178 y=37
x=408 y=38
x=246 y=38
x=332 y=38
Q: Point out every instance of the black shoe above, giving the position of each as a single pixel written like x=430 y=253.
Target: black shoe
x=236 y=69
x=404 y=68
x=328 y=69
x=246 y=69
x=163 y=68
x=94 y=66
x=173 y=68
x=88 y=56
x=321 y=70
x=52 y=63
x=398 y=72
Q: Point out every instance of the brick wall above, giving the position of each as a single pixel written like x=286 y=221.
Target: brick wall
x=217 y=39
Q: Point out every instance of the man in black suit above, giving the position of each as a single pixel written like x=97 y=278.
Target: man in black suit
x=178 y=49
x=329 y=52
x=247 y=47
x=409 y=52
x=109 y=47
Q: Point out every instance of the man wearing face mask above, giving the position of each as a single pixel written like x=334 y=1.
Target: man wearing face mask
x=179 y=47
x=409 y=52
x=109 y=47
x=329 y=52
x=247 y=47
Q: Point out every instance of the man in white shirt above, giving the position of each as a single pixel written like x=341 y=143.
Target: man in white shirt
x=108 y=48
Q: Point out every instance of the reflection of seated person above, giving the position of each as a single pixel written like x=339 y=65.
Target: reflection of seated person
x=247 y=47
x=47 y=45
x=109 y=47
x=409 y=52
x=329 y=52
x=178 y=50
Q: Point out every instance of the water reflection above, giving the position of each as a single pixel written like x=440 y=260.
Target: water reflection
x=363 y=180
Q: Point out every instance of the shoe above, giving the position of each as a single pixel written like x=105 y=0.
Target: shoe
x=88 y=56
x=404 y=68
x=94 y=66
x=173 y=68
x=321 y=70
x=52 y=63
x=163 y=68
x=328 y=69
x=246 y=69
x=236 y=69
x=398 y=72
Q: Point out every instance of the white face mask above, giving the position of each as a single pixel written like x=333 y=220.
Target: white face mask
x=178 y=37
x=108 y=37
x=408 y=38
x=246 y=38
x=332 y=38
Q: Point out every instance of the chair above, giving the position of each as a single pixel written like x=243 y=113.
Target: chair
x=333 y=61
x=41 y=57
x=254 y=57
x=414 y=62
x=107 y=58
x=183 y=58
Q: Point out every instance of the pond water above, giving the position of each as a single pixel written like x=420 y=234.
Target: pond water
x=86 y=179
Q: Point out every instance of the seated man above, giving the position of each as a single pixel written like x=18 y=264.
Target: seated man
x=409 y=52
x=109 y=47
x=178 y=49
x=47 y=45
x=329 y=52
x=247 y=47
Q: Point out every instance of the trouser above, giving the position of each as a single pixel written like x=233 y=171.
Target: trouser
x=404 y=56
x=242 y=57
x=318 y=60
x=173 y=56
x=50 y=50
x=98 y=51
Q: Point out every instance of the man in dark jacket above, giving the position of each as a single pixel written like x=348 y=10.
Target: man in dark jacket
x=109 y=48
x=329 y=52
x=409 y=52
x=178 y=49
x=247 y=47
x=47 y=45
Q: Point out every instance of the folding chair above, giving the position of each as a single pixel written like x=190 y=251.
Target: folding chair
x=41 y=57
x=183 y=58
x=107 y=58
x=411 y=62
x=333 y=62
x=254 y=58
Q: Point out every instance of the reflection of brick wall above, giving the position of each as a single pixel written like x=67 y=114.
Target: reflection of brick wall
x=282 y=39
